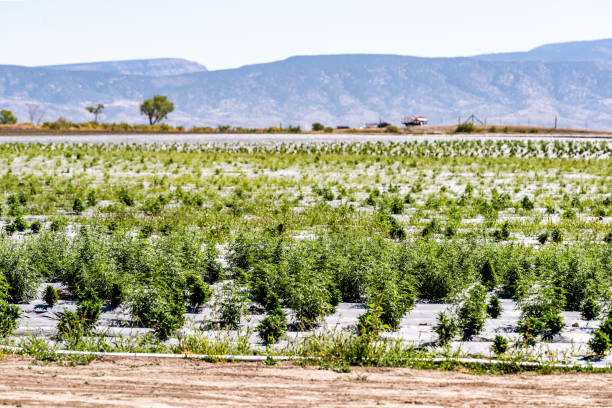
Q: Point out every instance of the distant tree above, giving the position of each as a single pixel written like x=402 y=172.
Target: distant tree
x=7 y=117
x=156 y=109
x=317 y=127
x=35 y=113
x=96 y=111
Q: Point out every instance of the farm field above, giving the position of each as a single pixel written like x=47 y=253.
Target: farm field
x=130 y=382
x=373 y=250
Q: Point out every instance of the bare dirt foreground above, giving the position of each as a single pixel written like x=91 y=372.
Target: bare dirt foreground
x=121 y=382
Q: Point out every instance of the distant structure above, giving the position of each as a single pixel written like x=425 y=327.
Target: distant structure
x=474 y=120
x=414 y=121
x=379 y=125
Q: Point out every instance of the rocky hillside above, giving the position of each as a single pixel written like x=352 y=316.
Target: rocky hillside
x=571 y=81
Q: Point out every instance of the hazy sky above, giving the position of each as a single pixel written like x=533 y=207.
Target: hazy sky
x=230 y=33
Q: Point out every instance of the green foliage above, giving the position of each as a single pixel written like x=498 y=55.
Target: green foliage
x=600 y=343
x=488 y=275
x=466 y=128
x=554 y=324
x=556 y=235
x=78 y=206
x=20 y=275
x=4 y=289
x=472 y=312
x=7 y=117
x=317 y=127
x=606 y=326
x=20 y=224
x=273 y=326
x=494 y=308
x=36 y=226
x=160 y=308
x=230 y=304
x=394 y=300
x=527 y=204
x=89 y=309
x=446 y=328
x=8 y=318
x=118 y=295
x=392 y=129
x=92 y=198
x=198 y=291
x=125 y=197
x=95 y=110
x=503 y=233
x=500 y=345
x=156 y=109
x=70 y=327
x=50 y=296
x=590 y=308
x=530 y=328
x=370 y=323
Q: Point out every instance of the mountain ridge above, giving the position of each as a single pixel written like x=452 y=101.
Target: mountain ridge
x=154 y=67
x=343 y=89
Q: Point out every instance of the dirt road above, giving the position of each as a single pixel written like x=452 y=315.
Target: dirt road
x=115 y=382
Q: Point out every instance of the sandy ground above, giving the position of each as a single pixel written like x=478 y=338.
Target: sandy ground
x=185 y=383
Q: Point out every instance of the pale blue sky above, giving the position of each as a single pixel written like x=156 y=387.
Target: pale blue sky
x=230 y=33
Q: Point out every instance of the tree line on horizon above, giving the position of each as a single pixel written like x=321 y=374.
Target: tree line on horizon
x=155 y=109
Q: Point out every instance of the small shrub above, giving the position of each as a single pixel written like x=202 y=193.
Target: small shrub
x=198 y=291
x=273 y=326
x=503 y=233
x=396 y=231
x=606 y=326
x=125 y=197
x=20 y=224
x=146 y=231
x=488 y=275
x=392 y=129
x=527 y=204
x=50 y=297
x=117 y=295
x=89 y=309
x=431 y=228
x=494 y=308
x=553 y=323
x=556 y=235
x=395 y=300
x=36 y=226
x=590 y=309
x=472 y=313
x=70 y=327
x=599 y=343
x=231 y=304
x=500 y=345
x=543 y=237
x=397 y=205
x=78 y=206
x=92 y=198
x=530 y=328
x=8 y=318
x=370 y=324
x=58 y=224
x=159 y=308
x=465 y=128
x=446 y=328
